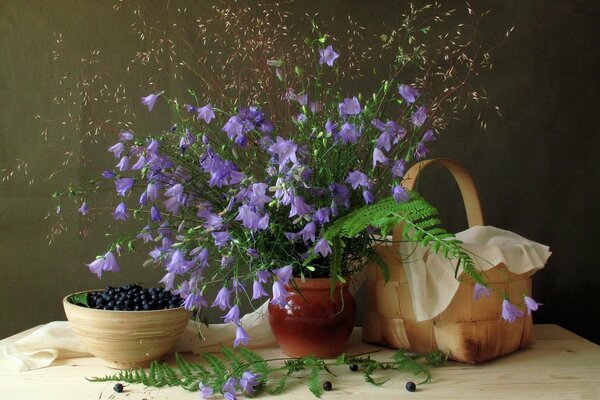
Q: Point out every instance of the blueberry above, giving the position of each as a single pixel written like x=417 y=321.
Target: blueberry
x=411 y=386
x=327 y=386
x=118 y=388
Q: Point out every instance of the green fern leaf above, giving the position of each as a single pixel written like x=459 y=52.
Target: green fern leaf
x=314 y=383
x=218 y=367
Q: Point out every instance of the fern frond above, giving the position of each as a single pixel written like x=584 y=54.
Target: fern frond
x=314 y=384
x=219 y=368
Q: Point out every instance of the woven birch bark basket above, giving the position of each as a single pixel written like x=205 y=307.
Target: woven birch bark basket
x=467 y=330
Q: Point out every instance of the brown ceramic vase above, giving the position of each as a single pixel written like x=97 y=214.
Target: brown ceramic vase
x=314 y=321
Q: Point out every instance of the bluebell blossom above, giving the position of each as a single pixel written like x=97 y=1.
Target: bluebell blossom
x=151 y=100
x=349 y=134
x=84 y=209
x=480 y=291
x=258 y=290
x=125 y=136
x=408 y=93
x=399 y=194
x=117 y=149
x=121 y=212
x=323 y=248
x=222 y=299
x=206 y=113
x=531 y=304
x=510 y=312
x=378 y=157
x=221 y=238
x=241 y=337
x=280 y=294
x=356 y=178
x=205 y=391
x=194 y=301
x=233 y=315
x=419 y=116
x=368 y=196
x=349 y=107
x=155 y=214
x=328 y=56
x=249 y=382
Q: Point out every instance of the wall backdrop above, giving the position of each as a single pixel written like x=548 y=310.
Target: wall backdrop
x=536 y=166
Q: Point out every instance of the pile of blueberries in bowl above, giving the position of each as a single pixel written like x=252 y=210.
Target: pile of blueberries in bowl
x=133 y=297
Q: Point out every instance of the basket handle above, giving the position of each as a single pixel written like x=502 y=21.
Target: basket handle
x=463 y=179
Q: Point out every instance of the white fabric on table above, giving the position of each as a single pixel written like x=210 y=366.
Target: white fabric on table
x=39 y=347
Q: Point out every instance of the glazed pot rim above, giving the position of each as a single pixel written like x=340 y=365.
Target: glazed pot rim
x=316 y=283
x=67 y=303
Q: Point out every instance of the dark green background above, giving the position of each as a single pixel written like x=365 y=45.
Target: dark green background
x=536 y=167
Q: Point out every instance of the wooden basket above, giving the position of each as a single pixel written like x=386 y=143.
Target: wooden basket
x=467 y=330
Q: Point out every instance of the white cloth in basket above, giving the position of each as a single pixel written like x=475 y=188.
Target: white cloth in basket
x=431 y=276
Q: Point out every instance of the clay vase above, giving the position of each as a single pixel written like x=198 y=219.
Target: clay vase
x=314 y=321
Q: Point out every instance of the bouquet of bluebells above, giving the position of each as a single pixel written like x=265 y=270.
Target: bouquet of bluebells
x=234 y=206
x=235 y=197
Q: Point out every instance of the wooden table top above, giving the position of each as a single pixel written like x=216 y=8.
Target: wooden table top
x=560 y=365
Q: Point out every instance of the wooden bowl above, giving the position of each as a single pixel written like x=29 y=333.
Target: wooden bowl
x=126 y=339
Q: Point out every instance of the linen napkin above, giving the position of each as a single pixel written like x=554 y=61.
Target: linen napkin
x=431 y=276
x=41 y=346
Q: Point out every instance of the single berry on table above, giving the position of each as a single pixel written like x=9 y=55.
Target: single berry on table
x=353 y=367
x=327 y=386
x=411 y=386
x=118 y=388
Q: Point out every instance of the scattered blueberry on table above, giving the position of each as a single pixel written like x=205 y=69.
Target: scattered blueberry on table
x=118 y=388
x=327 y=386
x=411 y=386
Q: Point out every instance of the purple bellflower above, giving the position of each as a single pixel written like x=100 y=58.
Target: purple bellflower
x=349 y=134
x=321 y=216
x=233 y=315
x=206 y=391
x=151 y=100
x=408 y=93
x=258 y=290
x=249 y=382
x=480 y=291
x=106 y=263
x=121 y=212
x=328 y=56
x=510 y=312
x=83 y=210
x=349 y=107
x=241 y=337
x=531 y=304
x=280 y=294
x=285 y=151
x=284 y=274
x=117 y=149
x=123 y=165
x=399 y=194
x=123 y=185
x=379 y=157
x=418 y=117
x=206 y=113
x=398 y=169
x=194 y=300
x=322 y=247
x=125 y=136
x=368 y=196
x=356 y=179
x=222 y=299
